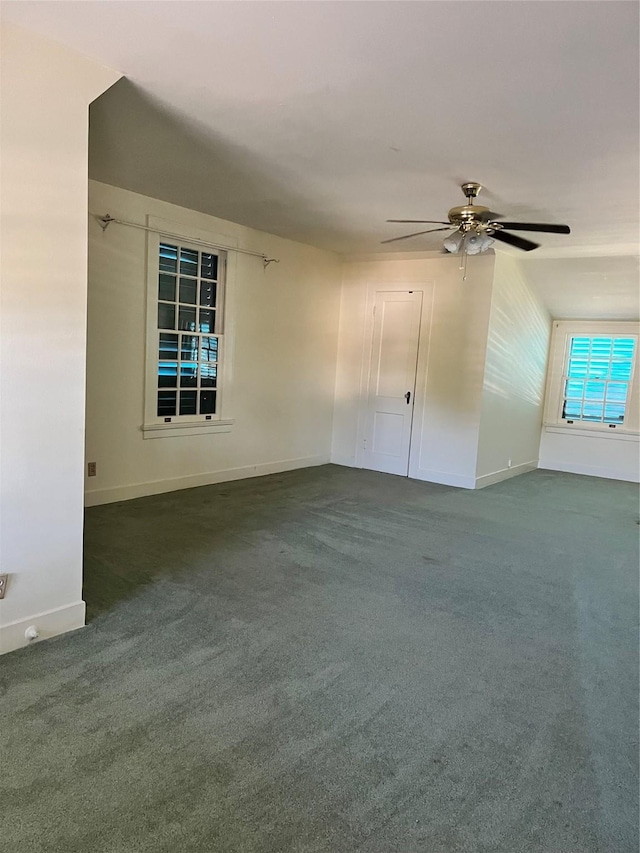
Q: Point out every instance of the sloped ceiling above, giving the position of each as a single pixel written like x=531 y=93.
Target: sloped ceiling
x=318 y=121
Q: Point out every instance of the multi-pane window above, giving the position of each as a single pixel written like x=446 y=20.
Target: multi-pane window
x=188 y=330
x=597 y=378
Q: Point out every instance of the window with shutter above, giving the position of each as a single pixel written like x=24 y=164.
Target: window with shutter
x=592 y=382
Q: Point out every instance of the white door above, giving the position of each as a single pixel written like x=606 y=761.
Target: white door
x=392 y=381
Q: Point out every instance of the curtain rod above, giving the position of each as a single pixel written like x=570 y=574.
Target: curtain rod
x=106 y=220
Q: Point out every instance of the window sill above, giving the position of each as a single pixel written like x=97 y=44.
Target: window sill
x=616 y=434
x=177 y=430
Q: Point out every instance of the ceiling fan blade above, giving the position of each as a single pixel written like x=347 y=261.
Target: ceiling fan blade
x=417 y=234
x=514 y=240
x=425 y=221
x=537 y=226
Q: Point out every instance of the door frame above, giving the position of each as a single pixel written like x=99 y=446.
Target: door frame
x=427 y=288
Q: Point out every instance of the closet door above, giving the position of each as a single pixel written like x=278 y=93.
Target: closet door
x=392 y=381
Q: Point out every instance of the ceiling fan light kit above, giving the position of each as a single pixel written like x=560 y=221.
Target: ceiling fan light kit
x=476 y=227
x=470 y=242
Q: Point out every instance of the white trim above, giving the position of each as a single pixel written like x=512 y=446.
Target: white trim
x=174 y=430
x=97 y=497
x=590 y=471
x=505 y=474
x=444 y=479
x=343 y=459
x=610 y=434
x=50 y=623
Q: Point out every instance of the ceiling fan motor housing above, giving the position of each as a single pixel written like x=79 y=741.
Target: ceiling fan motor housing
x=469 y=214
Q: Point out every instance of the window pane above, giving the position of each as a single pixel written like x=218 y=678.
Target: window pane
x=167 y=374
x=208 y=294
x=207 y=402
x=187 y=319
x=594 y=391
x=188 y=290
x=621 y=370
x=209 y=266
x=188 y=374
x=208 y=374
x=601 y=348
x=614 y=413
x=617 y=392
x=168 y=347
x=577 y=368
x=168 y=258
x=598 y=368
x=189 y=348
x=592 y=411
x=188 y=262
x=574 y=388
x=208 y=349
x=572 y=410
x=166 y=403
x=188 y=400
x=166 y=316
x=207 y=320
x=623 y=347
x=167 y=287
x=580 y=347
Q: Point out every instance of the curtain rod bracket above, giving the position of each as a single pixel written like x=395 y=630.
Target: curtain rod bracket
x=105 y=221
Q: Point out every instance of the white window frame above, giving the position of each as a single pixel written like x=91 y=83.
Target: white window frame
x=563 y=331
x=155 y=426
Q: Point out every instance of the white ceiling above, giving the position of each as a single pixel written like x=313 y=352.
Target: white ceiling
x=319 y=120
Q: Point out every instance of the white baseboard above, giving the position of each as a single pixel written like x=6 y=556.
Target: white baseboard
x=98 y=497
x=48 y=624
x=428 y=476
x=593 y=471
x=505 y=474
x=345 y=461
x=443 y=478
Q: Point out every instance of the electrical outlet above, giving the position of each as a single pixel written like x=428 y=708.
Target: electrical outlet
x=91 y=469
x=3 y=584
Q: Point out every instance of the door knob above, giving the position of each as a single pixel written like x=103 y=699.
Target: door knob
x=407 y=397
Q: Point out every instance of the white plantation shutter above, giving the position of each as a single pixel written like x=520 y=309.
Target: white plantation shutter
x=597 y=378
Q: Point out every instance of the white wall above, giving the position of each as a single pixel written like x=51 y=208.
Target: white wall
x=514 y=376
x=615 y=458
x=46 y=90
x=285 y=322
x=449 y=394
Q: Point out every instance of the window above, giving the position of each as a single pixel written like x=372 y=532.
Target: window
x=187 y=353
x=184 y=336
x=597 y=379
x=591 y=376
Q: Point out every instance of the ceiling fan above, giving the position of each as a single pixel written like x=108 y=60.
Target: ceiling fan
x=476 y=227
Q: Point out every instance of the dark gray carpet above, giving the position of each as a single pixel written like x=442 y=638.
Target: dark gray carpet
x=337 y=660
